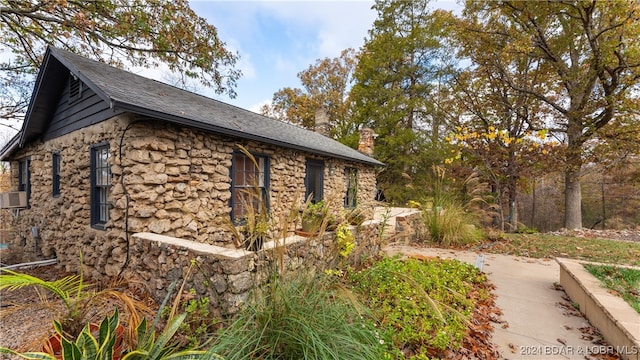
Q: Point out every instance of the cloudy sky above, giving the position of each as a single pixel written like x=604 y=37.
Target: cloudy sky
x=278 y=39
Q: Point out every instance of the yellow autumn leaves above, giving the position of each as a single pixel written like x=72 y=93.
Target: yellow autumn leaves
x=466 y=138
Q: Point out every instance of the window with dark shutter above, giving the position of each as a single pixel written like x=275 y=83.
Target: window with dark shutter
x=24 y=178
x=247 y=176
x=314 y=180
x=100 y=185
x=350 y=199
x=55 y=174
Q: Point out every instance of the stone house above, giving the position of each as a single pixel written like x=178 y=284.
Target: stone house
x=104 y=154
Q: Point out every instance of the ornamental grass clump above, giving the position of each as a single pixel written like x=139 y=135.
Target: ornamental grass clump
x=301 y=317
x=452 y=218
x=451 y=224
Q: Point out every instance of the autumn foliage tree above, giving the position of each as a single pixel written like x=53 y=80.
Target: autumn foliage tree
x=120 y=32
x=587 y=58
x=500 y=131
x=325 y=85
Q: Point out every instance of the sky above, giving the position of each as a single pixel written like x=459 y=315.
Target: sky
x=276 y=40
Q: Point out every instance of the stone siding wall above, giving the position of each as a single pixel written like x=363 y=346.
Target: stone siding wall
x=172 y=180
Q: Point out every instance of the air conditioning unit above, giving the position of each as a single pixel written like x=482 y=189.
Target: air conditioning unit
x=13 y=200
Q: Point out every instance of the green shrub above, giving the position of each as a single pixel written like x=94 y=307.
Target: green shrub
x=346 y=240
x=98 y=344
x=409 y=296
x=200 y=323
x=304 y=317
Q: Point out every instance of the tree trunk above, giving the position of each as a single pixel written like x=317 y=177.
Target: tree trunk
x=513 y=209
x=532 y=223
x=573 y=166
x=572 y=188
x=573 y=200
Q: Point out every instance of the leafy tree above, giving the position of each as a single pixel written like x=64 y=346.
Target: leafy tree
x=588 y=55
x=137 y=32
x=398 y=81
x=499 y=130
x=325 y=85
x=498 y=134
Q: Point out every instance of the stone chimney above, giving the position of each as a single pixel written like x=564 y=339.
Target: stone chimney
x=322 y=122
x=365 y=144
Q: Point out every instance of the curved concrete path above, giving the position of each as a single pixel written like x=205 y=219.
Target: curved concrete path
x=538 y=326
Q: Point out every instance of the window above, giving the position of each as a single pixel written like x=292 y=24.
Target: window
x=24 y=178
x=75 y=88
x=246 y=178
x=100 y=183
x=350 y=198
x=314 y=180
x=55 y=174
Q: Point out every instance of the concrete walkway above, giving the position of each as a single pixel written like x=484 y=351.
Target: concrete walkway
x=538 y=326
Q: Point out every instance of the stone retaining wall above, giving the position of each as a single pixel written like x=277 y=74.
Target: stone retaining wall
x=228 y=276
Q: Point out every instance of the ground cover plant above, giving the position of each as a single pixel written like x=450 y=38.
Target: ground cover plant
x=551 y=246
x=422 y=306
x=623 y=281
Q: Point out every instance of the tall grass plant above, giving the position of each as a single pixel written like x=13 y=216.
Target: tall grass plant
x=453 y=218
x=300 y=317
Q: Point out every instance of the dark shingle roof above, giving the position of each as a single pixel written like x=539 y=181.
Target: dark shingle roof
x=137 y=94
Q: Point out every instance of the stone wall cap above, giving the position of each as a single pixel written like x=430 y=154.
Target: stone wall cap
x=214 y=250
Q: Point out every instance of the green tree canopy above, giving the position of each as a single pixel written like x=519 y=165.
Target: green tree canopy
x=399 y=79
x=325 y=85
x=500 y=131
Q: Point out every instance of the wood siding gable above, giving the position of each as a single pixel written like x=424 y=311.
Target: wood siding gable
x=74 y=114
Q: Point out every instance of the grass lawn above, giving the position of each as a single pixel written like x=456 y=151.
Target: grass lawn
x=551 y=246
x=625 y=282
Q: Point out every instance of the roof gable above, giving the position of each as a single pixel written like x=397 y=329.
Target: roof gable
x=125 y=91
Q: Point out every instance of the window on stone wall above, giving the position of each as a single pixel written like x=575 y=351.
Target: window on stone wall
x=55 y=174
x=314 y=180
x=100 y=184
x=24 y=178
x=350 y=198
x=249 y=183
